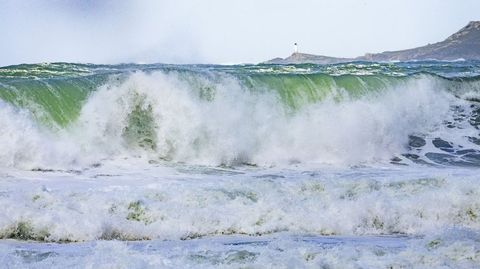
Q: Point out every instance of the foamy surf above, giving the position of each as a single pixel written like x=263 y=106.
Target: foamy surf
x=221 y=217
x=231 y=166
x=453 y=249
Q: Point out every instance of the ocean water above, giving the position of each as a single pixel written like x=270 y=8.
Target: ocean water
x=359 y=165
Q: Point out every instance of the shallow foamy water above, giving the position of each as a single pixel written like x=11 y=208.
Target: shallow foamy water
x=199 y=216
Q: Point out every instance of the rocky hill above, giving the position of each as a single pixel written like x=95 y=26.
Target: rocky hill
x=464 y=44
x=297 y=58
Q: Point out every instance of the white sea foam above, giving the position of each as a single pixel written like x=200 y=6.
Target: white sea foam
x=25 y=144
x=290 y=209
x=140 y=202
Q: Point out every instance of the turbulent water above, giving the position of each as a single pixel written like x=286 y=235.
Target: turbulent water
x=359 y=165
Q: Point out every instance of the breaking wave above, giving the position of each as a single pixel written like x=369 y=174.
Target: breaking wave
x=230 y=118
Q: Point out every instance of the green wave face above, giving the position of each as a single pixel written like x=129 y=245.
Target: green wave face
x=53 y=93
x=187 y=113
x=57 y=98
x=297 y=90
x=56 y=101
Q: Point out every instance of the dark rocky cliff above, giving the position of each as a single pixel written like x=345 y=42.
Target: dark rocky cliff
x=464 y=44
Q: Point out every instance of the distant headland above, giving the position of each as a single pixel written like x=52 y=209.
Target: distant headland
x=464 y=44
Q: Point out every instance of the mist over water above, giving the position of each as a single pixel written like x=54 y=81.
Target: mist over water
x=95 y=32
x=171 y=31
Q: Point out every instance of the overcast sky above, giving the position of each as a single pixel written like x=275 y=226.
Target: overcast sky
x=219 y=31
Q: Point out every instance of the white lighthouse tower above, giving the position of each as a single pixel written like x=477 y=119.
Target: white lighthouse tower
x=295 y=48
